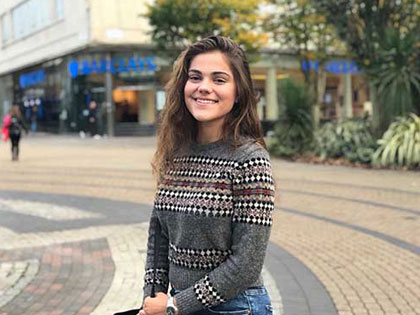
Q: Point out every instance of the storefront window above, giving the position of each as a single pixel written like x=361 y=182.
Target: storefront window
x=37 y=92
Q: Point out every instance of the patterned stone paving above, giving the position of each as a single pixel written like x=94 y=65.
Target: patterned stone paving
x=44 y=210
x=351 y=233
x=14 y=277
x=83 y=268
x=65 y=251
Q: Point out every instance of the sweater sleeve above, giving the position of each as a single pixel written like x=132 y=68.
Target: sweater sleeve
x=253 y=195
x=157 y=275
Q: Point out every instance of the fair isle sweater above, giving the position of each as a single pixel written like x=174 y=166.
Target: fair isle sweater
x=215 y=208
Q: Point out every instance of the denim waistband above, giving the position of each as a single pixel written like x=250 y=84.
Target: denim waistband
x=255 y=290
x=250 y=291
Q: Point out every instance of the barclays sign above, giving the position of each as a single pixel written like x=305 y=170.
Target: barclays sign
x=114 y=65
x=334 y=66
x=32 y=78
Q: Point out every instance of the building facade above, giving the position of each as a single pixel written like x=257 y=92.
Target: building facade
x=56 y=56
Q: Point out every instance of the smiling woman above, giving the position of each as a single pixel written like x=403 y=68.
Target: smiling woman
x=210 y=93
x=229 y=66
x=215 y=196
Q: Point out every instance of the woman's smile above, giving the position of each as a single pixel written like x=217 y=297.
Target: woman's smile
x=205 y=101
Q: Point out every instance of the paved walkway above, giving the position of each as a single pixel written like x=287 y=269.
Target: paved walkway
x=73 y=225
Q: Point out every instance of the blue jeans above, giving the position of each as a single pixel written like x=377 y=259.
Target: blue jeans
x=253 y=301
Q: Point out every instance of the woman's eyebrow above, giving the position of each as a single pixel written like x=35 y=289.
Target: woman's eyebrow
x=195 y=71
x=220 y=72
x=213 y=73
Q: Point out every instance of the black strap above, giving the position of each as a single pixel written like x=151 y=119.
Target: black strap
x=157 y=229
x=154 y=222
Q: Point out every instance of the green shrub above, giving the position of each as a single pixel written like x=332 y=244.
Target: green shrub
x=400 y=144
x=293 y=132
x=396 y=74
x=351 y=139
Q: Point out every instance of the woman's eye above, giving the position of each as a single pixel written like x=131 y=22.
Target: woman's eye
x=193 y=78
x=220 y=80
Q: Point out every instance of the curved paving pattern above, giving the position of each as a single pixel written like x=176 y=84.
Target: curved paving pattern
x=355 y=200
x=397 y=242
x=301 y=291
x=74 y=257
x=363 y=274
x=15 y=276
x=345 y=241
x=72 y=278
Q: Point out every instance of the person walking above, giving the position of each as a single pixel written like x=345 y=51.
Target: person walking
x=93 y=120
x=5 y=127
x=15 y=130
x=34 y=117
x=215 y=195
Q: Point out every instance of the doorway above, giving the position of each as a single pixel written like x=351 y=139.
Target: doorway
x=135 y=106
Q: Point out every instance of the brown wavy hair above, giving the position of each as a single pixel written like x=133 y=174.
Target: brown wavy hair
x=178 y=128
x=15 y=111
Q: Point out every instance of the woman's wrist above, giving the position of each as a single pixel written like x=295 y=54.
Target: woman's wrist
x=171 y=307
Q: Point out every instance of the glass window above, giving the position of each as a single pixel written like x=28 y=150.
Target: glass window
x=26 y=13
x=44 y=12
x=18 y=22
x=5 y=28
x=29 y=17
x=33 y=21
x=59 y=9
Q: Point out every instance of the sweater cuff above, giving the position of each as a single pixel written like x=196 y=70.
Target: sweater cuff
x=187 y=303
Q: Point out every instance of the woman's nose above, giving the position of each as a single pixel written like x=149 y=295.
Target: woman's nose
x=205 y=86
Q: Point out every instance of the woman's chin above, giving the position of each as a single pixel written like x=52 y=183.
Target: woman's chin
x=202 y=118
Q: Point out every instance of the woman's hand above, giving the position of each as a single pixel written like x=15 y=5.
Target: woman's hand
x=156 y=305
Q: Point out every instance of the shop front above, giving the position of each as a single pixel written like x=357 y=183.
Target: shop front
x=38 y=93
x=56 y=96
x=124 y=87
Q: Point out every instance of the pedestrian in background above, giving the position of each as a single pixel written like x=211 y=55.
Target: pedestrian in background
x=215 y=196
x=5 y=127
x=15 y=128
x=93 y=119
x=34 y=118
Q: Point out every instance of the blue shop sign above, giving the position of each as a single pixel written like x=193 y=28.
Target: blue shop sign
x=115 y=65
x=334 y=66
x=31 y=78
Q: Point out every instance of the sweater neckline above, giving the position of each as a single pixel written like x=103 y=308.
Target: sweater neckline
x=210 y=145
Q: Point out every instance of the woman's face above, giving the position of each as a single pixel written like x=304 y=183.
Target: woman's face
x=210 y=89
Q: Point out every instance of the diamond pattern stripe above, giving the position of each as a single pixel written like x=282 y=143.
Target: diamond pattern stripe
x=207 y=294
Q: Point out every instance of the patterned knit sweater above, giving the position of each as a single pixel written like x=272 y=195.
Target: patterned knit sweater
x=215 y=208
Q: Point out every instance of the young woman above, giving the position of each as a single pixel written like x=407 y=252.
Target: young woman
x=15 y=130
x=215 y=195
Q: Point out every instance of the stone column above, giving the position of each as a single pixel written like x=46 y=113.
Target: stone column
x=271 y=94
x=65 y=101
x=348 y=97
x=109 y=102
x=6 y=95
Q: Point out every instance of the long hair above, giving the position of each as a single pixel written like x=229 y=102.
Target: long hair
x=15 y=111
x=178 y=128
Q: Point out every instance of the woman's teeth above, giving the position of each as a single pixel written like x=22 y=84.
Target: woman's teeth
x=205 y=101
